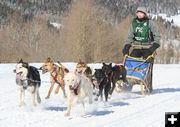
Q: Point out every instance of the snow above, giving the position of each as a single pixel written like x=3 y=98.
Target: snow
x=176 y=18
x=56 y=25
x=122 y=110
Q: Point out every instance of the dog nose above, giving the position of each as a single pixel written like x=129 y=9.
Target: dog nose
x=14 y=70
x=70 y=87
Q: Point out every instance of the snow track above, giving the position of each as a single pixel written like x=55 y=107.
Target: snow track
x=124 y=109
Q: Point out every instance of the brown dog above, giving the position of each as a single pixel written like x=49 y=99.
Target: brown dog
x=57 y=72
x=82 y=68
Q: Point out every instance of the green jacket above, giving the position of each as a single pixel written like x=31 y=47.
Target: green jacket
x=152 y=28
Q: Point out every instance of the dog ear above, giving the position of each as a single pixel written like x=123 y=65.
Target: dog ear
x=110 y=64
x=66 y=70
x=26 y=65
x=80 y=61
x=48 y=59
x=14 y=70
x=103 y=63
x=20 y=61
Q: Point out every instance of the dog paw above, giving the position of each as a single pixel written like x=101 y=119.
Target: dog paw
x=67 y=114
x=22 y=104
x=96 y=99
x=39 y=101
x=65 y=95
x=56 y=91
x=47 y=97
x=90 y=101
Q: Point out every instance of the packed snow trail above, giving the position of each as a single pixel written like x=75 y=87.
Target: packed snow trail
x=124 y=109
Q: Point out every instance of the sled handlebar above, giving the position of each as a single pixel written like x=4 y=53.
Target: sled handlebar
x=144 y=60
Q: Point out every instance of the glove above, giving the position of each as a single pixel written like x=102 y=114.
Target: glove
x=126 y=49
x=151 y=50
x=154 y=47
x=147 y=53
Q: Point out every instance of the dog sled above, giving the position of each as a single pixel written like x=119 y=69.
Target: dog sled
x=139 y=72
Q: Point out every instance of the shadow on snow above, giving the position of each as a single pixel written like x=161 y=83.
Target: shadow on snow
x=55 y=108
x=166 y=90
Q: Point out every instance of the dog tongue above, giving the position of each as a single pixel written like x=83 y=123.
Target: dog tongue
x=18 y=76
x=76 y=90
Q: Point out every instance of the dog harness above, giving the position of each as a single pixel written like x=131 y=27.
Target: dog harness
x=23 y=82
x=57 y=72
x=76 y=88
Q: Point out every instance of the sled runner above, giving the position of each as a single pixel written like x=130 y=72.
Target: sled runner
x=139 y=71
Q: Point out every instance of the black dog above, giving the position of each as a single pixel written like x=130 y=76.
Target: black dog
x=116 y=73
x=27 y=77
x=101 y=83
x=119 y=73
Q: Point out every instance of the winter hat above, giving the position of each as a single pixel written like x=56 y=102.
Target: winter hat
x=142 y=9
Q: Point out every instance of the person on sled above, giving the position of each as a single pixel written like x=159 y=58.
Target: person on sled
x=143 y=35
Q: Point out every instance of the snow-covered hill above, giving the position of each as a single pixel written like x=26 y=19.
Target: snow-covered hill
x=175 y=18
x=122 y=110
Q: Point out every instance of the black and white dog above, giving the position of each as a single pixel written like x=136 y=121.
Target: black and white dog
x=27 y=77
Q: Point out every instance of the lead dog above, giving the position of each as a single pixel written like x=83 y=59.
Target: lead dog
x=27 y=77
x=57 y=72
x=78 y=87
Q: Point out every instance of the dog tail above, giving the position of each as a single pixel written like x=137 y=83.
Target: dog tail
x=64 y=68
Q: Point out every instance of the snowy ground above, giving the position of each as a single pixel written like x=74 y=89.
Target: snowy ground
x=175 y=18
x=123 y=110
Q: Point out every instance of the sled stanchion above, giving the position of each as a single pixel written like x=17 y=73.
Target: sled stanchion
x=124 y=58
x=142 y=88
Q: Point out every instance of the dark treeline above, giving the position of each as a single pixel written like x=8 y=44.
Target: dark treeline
x=119 y=8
